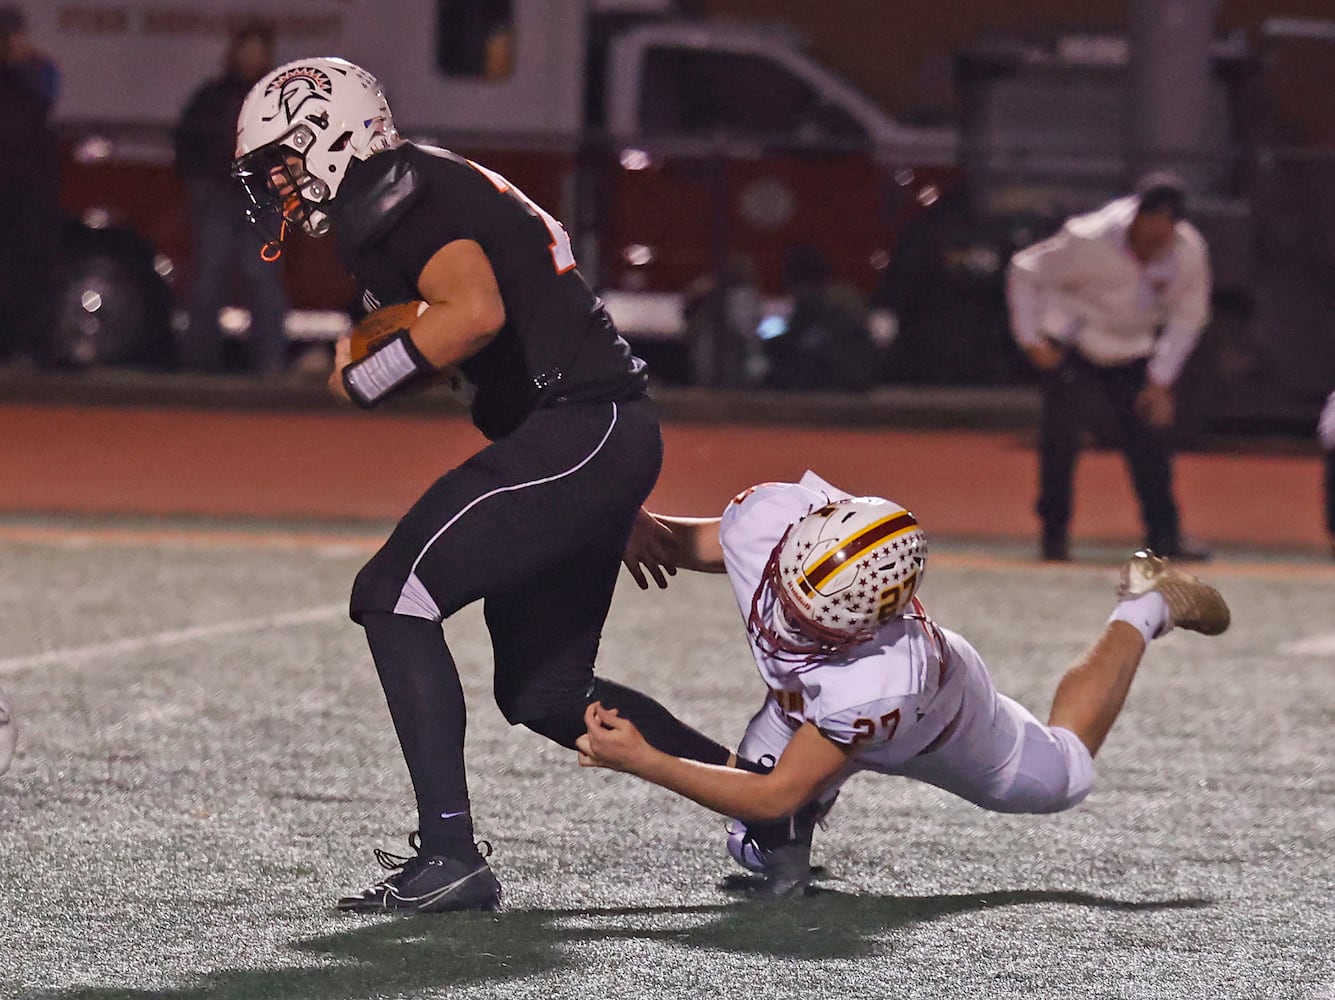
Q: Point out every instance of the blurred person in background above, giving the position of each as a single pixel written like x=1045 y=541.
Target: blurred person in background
x=722 y=323
x=1108 y=310
x=938 y=312
x=29 y=190
x=827 y=344
x=1326 y=434
x=224 y=243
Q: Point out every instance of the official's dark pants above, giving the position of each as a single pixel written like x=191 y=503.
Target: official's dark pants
x=1330 y=494
x=1070 y=394
x=29 y=247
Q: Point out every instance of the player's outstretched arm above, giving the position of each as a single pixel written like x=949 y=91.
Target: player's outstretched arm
x=660 y=545
x=808 y=763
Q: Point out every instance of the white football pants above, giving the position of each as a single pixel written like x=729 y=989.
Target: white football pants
x=999 y=757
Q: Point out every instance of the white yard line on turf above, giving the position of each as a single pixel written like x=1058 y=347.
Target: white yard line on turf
x=158 y=640
x=324 y=543
x=1317 y=645
x=348 y=545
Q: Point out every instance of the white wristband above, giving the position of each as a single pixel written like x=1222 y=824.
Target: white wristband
x=382 y=371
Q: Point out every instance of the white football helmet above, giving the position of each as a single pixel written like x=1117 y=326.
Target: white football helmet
x=299 y=129
x=836 y=575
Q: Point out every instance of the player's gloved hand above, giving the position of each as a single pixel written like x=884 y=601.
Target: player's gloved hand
x=653 y=547
x=1154 y=406
x=611 y=741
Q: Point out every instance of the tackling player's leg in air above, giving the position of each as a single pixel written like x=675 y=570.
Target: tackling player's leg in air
x=861 y=679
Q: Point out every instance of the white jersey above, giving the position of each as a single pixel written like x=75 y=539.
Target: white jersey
x=1325 y=428
x=884 y=697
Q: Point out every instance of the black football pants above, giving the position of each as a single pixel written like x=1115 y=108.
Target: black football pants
x=534 y=526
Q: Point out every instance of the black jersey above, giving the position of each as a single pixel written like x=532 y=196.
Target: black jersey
x=398 y=208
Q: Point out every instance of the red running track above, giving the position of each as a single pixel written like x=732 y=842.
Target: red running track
x=156 y=461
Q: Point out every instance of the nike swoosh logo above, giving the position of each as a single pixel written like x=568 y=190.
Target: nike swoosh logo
x=431 y=897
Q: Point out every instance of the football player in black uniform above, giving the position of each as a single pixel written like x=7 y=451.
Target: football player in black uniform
x=535 y=524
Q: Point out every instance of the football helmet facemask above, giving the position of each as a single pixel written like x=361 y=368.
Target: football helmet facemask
x=299 y=129
x=837 y=574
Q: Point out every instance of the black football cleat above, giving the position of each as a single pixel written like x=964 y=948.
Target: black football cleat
x=787 y=870
x=784 y=850
x=428 y=883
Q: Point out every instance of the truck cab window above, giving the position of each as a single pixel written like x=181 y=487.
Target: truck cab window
x=475 y=38
x=732 y=93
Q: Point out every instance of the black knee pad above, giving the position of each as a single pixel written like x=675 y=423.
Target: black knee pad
x=371 y=583
x=386 y=583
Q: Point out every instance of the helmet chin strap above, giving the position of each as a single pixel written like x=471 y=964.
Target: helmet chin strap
x=273 y=249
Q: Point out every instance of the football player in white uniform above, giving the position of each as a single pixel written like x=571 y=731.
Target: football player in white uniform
x=861 y=679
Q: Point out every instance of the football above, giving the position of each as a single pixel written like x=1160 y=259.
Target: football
x=8 y=733
x=377 y=327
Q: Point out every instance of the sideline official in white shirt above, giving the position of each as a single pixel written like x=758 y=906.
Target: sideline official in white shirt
x=1112 y=306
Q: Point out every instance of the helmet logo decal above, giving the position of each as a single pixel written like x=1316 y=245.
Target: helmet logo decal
x=296 y=88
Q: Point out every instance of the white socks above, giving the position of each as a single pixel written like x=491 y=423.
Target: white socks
x=1147 y=614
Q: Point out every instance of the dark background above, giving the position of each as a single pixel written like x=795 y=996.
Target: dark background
x=899 y=53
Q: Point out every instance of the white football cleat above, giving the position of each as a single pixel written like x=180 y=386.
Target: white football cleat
x=1192 y=603
x=8 y=733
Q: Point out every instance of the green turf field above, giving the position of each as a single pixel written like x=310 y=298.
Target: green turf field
x=206 y=762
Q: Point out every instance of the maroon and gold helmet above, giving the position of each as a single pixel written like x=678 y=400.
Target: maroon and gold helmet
x=836 y=575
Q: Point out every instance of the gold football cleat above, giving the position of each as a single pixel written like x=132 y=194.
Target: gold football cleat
x=1192 y=603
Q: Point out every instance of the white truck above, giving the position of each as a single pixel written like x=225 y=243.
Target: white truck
x=665 y=145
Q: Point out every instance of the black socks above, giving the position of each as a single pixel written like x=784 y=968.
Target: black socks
x=426 y=703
